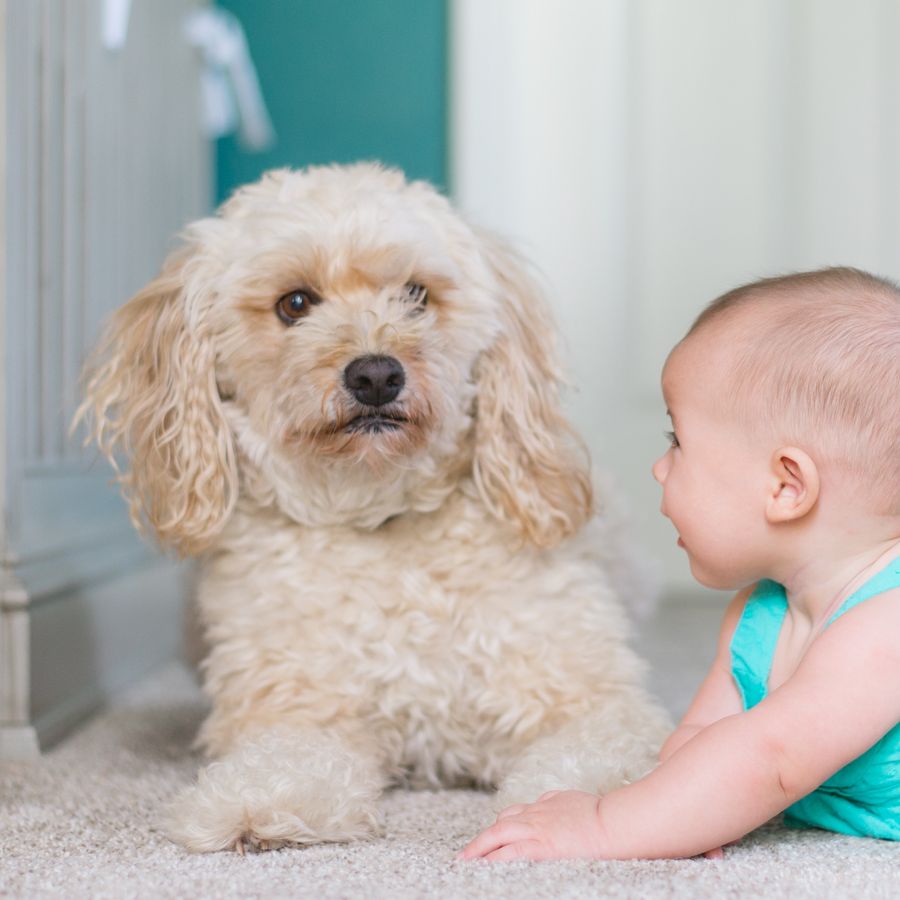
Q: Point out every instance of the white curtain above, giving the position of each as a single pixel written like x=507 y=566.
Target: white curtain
x=649 y=154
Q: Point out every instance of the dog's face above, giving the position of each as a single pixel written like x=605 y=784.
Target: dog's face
x=337 y=342
x=349 y=318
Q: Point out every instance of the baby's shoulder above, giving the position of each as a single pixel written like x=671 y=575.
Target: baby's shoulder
x=866 y=611
x=863 y=634
x=875 y=597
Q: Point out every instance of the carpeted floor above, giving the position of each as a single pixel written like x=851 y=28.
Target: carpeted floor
x=80 y=823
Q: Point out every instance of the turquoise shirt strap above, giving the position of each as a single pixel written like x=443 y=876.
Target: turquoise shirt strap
x=754 y=639
x=887 y=579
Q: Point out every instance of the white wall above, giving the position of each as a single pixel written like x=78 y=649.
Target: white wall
x=649 y=155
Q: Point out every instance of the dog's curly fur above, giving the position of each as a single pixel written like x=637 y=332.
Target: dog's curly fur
x=430 y=602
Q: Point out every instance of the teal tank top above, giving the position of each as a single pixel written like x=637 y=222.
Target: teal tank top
x=863 y=798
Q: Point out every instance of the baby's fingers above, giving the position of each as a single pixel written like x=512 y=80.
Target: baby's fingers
x=511 y=811
x=520 y=850
x=505 y=831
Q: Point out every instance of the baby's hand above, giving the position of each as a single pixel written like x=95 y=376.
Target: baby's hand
x=560 y=825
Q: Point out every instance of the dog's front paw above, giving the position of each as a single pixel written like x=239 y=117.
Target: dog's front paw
x=268 y=795
x=613 y=745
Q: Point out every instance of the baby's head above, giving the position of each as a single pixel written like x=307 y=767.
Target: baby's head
x=778 y=380
x=813 y=359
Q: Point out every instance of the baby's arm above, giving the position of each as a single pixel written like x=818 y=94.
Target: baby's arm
x=739 y=771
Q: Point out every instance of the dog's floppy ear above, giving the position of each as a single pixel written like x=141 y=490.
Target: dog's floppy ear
x=529 y=465
x=151 y=393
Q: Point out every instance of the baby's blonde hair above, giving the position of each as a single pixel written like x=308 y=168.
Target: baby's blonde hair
x=821 y=364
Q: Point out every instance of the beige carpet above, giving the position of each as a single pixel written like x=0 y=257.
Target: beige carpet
x=80 y=823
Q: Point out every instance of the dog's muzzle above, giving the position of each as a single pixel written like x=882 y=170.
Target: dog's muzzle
x=375 y=381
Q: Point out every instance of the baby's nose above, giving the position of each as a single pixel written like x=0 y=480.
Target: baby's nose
x=659 y=469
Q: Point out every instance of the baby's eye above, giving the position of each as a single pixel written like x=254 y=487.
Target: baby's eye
x=672 y=439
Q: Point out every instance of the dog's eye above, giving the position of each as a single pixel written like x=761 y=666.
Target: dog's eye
x=292 y=307
x=415 y=293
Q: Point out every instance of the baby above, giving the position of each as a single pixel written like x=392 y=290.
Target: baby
x=783 y=482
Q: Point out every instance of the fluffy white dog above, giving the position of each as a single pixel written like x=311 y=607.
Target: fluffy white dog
x=344 y=399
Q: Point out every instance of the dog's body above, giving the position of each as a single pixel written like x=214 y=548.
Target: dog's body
x=344 y=399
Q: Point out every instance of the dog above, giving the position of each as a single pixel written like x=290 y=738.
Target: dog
x=344 y=400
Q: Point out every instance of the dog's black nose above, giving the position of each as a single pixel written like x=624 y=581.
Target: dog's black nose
x=374 y=380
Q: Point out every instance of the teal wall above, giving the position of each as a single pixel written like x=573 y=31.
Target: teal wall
x=346 y=80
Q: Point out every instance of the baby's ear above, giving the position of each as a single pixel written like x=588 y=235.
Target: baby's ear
x=793 y=485
x=530 y=467
x=151 y=394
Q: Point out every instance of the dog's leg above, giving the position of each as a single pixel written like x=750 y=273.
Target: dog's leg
x=612 y=745
x=285 y=786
